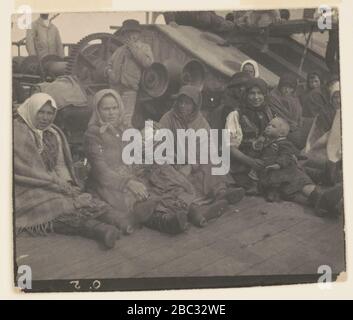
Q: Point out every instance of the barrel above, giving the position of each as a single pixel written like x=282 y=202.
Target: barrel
x=193 y=73
x=162 y=78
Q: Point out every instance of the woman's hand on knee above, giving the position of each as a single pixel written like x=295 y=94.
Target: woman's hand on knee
x=138 y=189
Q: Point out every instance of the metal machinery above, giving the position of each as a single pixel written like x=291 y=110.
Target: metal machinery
x=183 y=54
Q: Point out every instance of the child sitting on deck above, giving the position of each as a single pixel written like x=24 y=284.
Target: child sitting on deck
x=282 y=177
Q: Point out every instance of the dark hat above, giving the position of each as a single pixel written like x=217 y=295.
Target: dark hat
x=288 y=80
x=238 y=79
x=130 y=25
x=257 y=82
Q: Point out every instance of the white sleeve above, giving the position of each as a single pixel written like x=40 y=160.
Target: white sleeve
x=233 y=125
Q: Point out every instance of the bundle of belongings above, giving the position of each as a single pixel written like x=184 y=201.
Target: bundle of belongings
x=208 y=20
x=74 y=94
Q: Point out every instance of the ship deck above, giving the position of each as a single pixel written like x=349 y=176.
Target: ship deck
x=253 y=238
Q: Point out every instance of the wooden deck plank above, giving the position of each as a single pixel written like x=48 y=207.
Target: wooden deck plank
x=310 y=227
x=228 y=266
x=253 y=237
x=273 y=245
x=187 y=263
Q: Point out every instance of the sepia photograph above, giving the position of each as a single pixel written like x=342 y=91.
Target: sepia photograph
x=176 y=149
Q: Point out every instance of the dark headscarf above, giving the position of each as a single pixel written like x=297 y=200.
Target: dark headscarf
x=238 y=79
x=289 y=80
x=194 y=93
x=259 y=83
x=260 y=116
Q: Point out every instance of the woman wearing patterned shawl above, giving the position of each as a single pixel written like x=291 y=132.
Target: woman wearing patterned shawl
x=47 y=194
x=246 y=128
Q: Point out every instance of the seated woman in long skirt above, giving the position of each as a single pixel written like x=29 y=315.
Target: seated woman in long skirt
x=150 y=195
x=47 y=194
x=214 y=192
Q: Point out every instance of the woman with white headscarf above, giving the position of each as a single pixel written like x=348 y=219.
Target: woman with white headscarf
x=47 y=193
x=152 y=195
x=251 y=67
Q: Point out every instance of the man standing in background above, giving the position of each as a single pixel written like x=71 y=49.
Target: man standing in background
x=125 y=66
x=43 y=38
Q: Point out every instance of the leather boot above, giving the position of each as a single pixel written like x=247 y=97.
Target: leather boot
x=232 y=195
x=326 y=202
x=100 y=231
x=173 y=223
x=200 y=215
x=119 y=221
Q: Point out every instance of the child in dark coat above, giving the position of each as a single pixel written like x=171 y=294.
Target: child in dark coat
x=281 y=175
x=283 y=178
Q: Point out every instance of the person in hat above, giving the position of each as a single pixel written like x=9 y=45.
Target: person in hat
x=43 y=38
x=284 y=103
x=124 y=68
x=213 y=191
x=230 y=100
x=223 y=116
x=232 y=97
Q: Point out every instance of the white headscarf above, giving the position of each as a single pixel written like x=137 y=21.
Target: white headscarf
x=254 y=64
x=28 y=112
x=96 y=119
